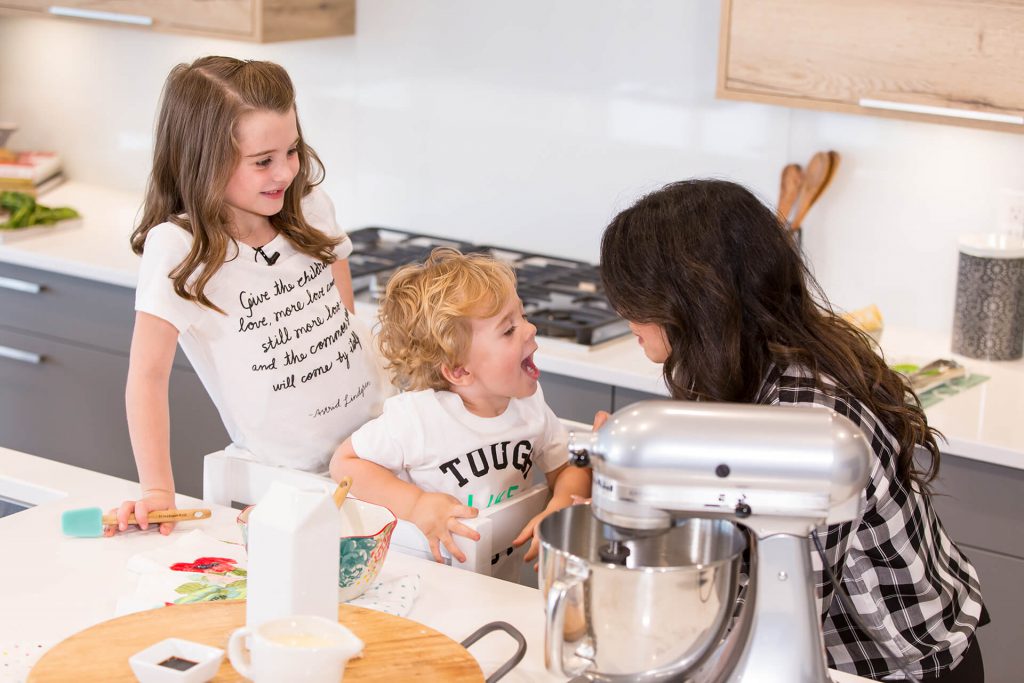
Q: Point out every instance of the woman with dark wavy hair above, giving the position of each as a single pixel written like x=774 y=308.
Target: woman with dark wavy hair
x=715 y=289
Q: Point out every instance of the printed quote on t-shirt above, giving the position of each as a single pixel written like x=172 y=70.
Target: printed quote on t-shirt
x=303 y=332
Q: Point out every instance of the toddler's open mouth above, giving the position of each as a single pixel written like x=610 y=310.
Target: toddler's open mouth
x=529 y=368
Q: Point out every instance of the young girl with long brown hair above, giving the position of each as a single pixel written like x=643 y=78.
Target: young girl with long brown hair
x=244 y=265
x=716 y=291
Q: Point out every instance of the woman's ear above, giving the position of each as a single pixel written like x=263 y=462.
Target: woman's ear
x=457 y=376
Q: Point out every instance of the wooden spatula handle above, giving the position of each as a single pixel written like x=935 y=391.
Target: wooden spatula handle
x=339 y=493
x=158 y=516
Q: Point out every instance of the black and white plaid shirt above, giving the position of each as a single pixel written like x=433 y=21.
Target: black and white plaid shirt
x=910 y=584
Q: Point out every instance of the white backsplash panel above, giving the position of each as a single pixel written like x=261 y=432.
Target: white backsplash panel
x=531 y=124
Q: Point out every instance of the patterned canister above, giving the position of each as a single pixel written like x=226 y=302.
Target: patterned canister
x=988 y=320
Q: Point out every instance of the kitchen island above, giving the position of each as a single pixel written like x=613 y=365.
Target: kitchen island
x=52 y=586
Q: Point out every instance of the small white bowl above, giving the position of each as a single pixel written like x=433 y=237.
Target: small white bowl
x=155 y=663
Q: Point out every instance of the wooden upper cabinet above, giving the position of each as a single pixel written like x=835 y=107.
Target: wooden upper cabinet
x=257 y=20
x=949 y=61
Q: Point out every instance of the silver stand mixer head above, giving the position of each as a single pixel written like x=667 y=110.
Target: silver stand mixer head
x=662 y=465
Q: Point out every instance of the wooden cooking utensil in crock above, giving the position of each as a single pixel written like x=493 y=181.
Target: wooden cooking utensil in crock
x=789 y=189
x=820 y=172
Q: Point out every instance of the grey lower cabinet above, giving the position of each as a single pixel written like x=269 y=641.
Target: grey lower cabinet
x=63 y=364
x=982 y=507
x=575 y=399
x=63 y=405
x=622 y=397
x=579 y=399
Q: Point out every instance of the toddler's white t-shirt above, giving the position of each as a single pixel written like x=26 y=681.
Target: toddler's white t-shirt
x=291 y=372
x=432 y=439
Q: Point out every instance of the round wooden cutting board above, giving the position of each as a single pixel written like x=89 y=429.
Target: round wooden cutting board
x=397 y=649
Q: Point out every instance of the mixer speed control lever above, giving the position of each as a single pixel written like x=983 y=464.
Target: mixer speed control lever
x=580 y=458
x=579 y=454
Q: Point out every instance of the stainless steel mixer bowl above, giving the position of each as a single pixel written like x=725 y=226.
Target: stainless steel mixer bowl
x=648 y=614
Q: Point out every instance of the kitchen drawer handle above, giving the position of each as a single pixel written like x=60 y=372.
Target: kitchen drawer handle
x=97 y=15
x=20 y=285
x=869 y=103
x=18 y=354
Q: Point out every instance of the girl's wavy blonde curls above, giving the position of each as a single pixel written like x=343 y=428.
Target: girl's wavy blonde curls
x=424 y=315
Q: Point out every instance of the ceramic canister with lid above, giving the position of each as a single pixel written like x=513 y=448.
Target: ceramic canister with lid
x=988 y=319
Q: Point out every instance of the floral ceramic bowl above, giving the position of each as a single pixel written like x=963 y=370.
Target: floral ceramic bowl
x=366 y=531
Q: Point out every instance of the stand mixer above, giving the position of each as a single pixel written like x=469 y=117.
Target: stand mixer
x=642 y=584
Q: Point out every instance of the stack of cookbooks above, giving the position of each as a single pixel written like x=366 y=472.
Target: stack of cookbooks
x=30 y=172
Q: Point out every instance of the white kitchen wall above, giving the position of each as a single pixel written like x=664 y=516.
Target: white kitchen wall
x=531 y=123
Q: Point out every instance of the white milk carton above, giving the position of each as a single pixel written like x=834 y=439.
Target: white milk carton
x=293 y=555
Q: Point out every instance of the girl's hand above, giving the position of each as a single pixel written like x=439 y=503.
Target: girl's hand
x=150 y=501
x=437 y=516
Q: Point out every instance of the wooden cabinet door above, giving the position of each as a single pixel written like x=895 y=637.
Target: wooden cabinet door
x=952 y=61
x=257 y=20
x=28 y=5
x=225 y=17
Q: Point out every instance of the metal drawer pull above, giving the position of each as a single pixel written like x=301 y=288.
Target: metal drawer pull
x=96 y=15
x=20 y=285
x=940 y=111
x=18 y=354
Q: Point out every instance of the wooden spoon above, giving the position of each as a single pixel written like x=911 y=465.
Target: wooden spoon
x=339 y=493
x=815 y=180
x=792 y=179
x=833 y=166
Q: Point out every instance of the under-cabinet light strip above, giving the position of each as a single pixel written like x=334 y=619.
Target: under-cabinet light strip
x=941 y=111
x=97 y=15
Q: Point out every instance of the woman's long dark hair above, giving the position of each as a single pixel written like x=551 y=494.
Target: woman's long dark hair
x=710 y=263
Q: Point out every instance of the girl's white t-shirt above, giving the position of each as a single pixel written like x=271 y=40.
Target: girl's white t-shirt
x=429 y=438
x=291 y=372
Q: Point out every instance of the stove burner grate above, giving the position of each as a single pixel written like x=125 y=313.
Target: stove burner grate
x=563 y=298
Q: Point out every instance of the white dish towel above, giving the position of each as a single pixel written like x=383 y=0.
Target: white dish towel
x=200 y=568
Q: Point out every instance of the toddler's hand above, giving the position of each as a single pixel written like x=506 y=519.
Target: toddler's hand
x=437 y=516
x=151 y=501
x=554 y=505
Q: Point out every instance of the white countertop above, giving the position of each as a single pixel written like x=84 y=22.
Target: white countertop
x=52 y=586
x=982 y=423
x=94 y=247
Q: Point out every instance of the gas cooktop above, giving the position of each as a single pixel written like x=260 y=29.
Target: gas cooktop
x=563 y=298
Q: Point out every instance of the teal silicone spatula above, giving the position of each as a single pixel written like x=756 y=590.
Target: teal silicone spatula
x=86 y=522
